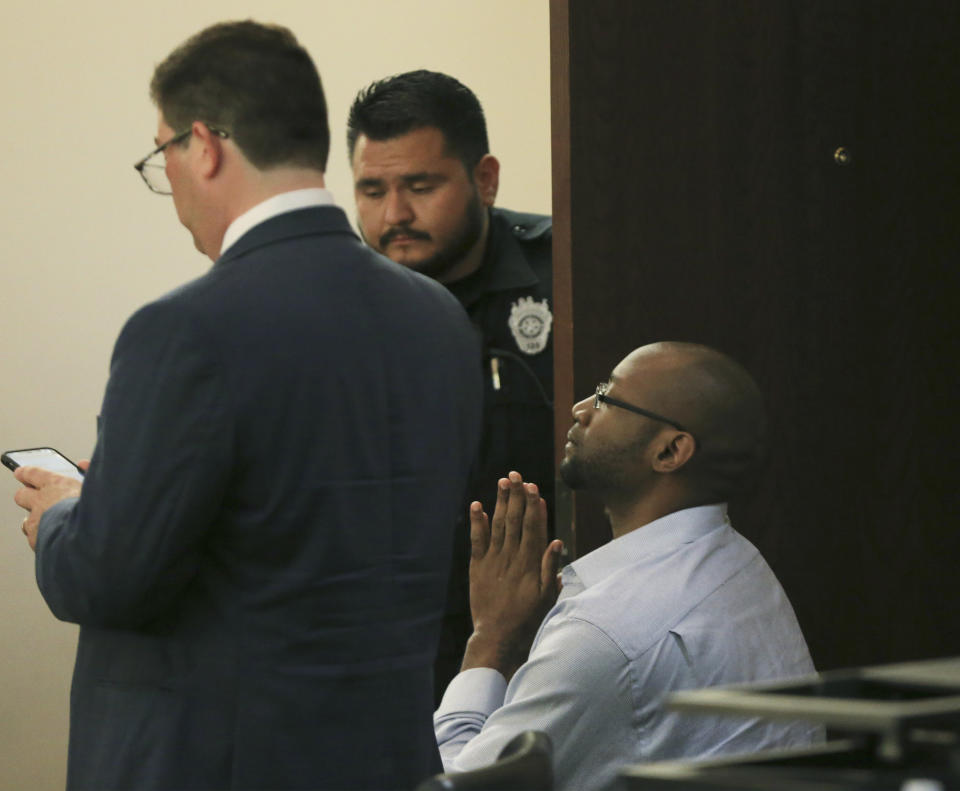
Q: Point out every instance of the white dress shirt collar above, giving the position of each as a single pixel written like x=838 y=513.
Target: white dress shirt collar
x=656 y=537
x=271 y=207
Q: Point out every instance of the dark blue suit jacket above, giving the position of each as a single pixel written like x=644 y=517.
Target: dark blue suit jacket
x=258 y=559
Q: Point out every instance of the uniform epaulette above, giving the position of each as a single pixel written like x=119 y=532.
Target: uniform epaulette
x=528 y=227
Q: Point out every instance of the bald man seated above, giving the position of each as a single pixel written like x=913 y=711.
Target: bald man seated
x=677 y=600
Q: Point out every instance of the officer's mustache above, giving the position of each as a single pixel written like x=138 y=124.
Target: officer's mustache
x=401 y=230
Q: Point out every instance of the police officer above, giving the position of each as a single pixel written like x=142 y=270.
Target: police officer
x=425 y=184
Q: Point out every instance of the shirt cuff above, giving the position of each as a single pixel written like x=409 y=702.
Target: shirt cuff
x=479 y=689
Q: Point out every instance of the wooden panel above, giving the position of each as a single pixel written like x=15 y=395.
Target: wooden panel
x=563 y=384
x=706 y=203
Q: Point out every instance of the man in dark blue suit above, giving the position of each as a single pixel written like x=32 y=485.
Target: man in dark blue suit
x=258 y=555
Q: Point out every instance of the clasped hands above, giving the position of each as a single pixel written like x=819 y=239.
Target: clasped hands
x=513 y=576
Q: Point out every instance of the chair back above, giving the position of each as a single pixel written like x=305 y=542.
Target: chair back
x=524 y=764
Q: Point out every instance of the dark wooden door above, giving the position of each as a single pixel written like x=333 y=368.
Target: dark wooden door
x=780 y=180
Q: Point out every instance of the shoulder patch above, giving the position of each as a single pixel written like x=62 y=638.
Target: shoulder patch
x=530 y=323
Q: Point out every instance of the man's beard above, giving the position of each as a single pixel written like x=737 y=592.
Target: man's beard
x=591 y=474
x=572 y=472
x=605 y=470
x=455 y=251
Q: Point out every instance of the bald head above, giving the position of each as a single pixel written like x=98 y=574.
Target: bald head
x=716 y=399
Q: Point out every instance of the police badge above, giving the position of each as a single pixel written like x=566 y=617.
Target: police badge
x=530 y=324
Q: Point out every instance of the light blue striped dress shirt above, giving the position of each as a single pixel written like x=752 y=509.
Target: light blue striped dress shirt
x=681 y=603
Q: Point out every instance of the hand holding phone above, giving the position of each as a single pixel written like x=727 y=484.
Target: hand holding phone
x=47 y=458
x=41 y=490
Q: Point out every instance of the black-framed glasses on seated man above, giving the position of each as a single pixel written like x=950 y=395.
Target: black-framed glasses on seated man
x=601 y=397
x=153 y=169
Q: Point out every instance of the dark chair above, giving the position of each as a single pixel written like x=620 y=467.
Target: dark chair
x=525 y=764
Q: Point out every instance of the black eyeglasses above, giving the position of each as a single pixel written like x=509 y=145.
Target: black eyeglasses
x=154 y=174
x=601 y=397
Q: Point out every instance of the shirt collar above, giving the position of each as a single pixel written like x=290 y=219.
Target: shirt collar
x=271 y=207
x=654 y=538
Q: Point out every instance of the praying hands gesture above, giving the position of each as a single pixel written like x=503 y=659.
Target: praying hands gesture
x=513 y=576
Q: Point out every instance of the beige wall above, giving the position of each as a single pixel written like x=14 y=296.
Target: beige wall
x=84 y=243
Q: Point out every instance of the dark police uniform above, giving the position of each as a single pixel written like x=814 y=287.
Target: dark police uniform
x=510 y=301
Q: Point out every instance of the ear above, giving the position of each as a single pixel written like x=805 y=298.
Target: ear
x=486 y=175
x=211 y=150
x=677 y=449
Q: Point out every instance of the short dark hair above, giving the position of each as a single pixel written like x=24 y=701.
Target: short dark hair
x=729 y=420
x=405 y=102
x=254 y=81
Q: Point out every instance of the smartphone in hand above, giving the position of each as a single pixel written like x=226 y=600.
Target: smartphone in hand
x=48 y=458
